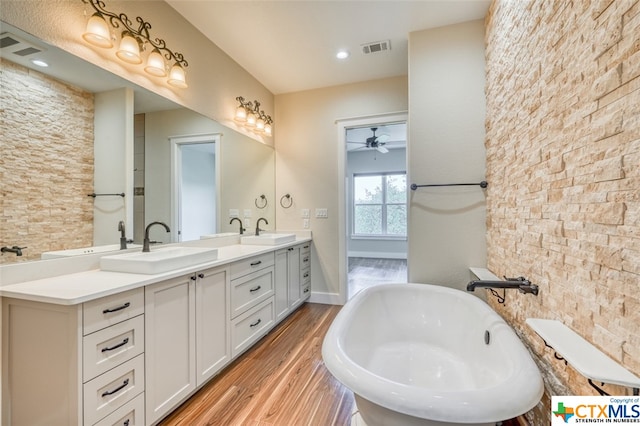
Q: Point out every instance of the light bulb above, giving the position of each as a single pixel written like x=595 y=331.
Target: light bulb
x=267 y=129
x=241 y=114
x=259 y=125
x=177 y=77
x=129 y=50
x=251 y=120
x=155 y=64
x=97 y=32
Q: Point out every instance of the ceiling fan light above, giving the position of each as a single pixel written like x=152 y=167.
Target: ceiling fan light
x=155 y=64
x=97 y=32
x=129 y=50
x=177 y=77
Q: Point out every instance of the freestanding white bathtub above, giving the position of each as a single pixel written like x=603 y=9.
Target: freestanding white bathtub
x=419 y=354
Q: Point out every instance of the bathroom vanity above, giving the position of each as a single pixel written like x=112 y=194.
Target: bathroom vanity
x=112 y=348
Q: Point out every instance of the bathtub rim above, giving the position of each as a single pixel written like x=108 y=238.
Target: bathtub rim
x=468 y=406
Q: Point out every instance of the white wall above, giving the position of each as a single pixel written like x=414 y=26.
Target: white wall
x=369 y=161
x=446 y=145
x=307 y=150
x=113 y=164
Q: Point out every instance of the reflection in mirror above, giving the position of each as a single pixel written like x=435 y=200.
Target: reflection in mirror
x=71 y=130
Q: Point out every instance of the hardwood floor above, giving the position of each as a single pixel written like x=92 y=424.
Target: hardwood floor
x=281 y=381
x=366 y=272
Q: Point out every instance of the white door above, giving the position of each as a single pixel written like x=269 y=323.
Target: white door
x=195 y=196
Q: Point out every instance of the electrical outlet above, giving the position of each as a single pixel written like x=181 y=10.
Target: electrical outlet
x=321 y=213
x=247 y=212
x=305 y=223
x=234 y=213
x=304 y=213
x=247 y=223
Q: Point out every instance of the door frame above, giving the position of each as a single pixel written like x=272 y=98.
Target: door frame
x=342 y=126
x=176 y=173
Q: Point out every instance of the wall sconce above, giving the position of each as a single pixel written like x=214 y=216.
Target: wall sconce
x=253 y=118
x=133 y=41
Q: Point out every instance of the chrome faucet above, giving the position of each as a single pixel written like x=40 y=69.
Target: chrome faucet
x=258 y=225
x=521 y=283
x=239 y=222
x=145 y=245
x=123 y=236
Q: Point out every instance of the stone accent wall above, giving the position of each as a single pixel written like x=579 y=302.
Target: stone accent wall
x=46 y=163
x=563 y=165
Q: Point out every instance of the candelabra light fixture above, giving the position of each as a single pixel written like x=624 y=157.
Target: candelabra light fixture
x=253 y=117
x=103 y=29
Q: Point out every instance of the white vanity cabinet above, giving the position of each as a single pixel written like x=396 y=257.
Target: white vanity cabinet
x=293 y=278
x=187 y=337
x=73 y=364
x=252 y=302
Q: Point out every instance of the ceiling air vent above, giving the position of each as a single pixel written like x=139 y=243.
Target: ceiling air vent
x=376 y=46
x=9 y=43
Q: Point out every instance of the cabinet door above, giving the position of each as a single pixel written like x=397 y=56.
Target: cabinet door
x=212 y=332
x=281 y=285
x=169 y=344
x=293 y=265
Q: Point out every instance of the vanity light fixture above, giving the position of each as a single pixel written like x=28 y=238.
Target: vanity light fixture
x=133 y=43
x=253 y=118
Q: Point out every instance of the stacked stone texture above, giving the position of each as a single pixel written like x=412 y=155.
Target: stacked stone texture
x=563 y=162
x=46 y=163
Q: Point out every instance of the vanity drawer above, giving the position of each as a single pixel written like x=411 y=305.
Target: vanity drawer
x=305 y=248
x=251 y=289
x=250 y=326
x=244 y=267
x=112 y=346
x=306 y=291
x=130 y=414
x=305 y=260
x=110 y=391
x=305 y=275
x=101 y=313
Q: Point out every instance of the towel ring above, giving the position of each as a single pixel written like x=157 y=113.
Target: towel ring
x=264 y=204
x=288 y=197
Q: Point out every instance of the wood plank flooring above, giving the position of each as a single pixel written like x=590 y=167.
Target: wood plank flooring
x=281 y=381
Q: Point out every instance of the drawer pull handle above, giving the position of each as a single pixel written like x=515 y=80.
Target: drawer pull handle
x=119 y=345
x=306 y=275
x=200 y=276
x=255 y=289
x=193 y=277
x=126 y=422
x=306 y=290
x=256 y=263
x=116 y=390
x=290 y=249
x=307 y=246
x=119 y=308
x=306 y=259
x=255 y=323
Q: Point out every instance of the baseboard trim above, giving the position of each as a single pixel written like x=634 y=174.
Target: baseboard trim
x=325 y=298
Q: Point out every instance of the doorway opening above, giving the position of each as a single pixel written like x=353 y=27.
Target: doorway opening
x=194 y=189
x=375 y=202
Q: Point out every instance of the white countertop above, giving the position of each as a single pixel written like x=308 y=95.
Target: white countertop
x=80 y=287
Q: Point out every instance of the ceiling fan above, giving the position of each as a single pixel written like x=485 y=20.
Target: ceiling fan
x=374 y=142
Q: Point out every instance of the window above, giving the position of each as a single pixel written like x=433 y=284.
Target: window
x=380 y=204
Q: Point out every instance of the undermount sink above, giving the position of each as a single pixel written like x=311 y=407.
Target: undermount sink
x=159 y=260
x=268 y=239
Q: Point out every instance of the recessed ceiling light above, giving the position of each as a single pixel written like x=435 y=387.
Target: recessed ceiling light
x=342 y=54
x=39 y=62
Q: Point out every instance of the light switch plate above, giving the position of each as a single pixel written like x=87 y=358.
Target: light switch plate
x=322 y=213
x=304 y=213
x=247 y=212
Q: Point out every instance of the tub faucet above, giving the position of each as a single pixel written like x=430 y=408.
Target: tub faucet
x=145 y=244
x=15 y=249
x=239 y=222
x=123 y=236
x=521 y=283
x=258 y=225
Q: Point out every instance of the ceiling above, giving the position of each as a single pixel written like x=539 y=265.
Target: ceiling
x=290 y=45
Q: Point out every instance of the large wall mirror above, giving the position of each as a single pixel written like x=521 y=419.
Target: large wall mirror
x=74 y=137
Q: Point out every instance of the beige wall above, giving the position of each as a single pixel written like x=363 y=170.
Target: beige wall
x=446 y=135
x=563 y=155
x=46 y=166
x=307 y=150
x=214 y=79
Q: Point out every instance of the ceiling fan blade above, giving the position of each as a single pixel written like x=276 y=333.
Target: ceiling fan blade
x=384 y=138
x=382 y=149
x=361 y=143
